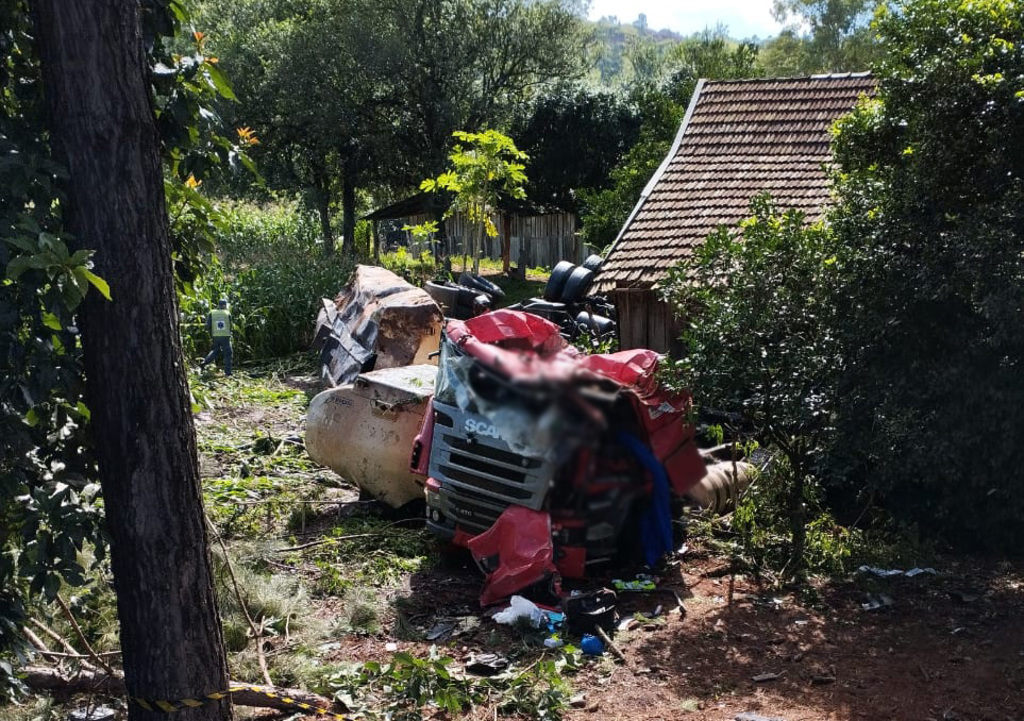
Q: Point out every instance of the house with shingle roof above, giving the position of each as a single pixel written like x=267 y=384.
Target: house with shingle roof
x=739 y=138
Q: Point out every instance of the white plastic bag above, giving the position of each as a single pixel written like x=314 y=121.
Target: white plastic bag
x=520 y=608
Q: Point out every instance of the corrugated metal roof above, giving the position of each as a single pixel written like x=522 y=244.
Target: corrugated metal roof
x=739 y=138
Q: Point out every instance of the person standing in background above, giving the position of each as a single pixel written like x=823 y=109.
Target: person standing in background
x=219 y=324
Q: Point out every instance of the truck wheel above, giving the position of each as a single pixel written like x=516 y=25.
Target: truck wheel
x=556 y=283
x=481 y=284
x=577 y=286
x=593 y=262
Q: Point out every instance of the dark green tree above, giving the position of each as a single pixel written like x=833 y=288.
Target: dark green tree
x=574 y=139
x=48 y=464
x=471 y=64
x=350 y=94
x=932 y=189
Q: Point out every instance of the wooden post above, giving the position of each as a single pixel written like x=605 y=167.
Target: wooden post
x=506 y=243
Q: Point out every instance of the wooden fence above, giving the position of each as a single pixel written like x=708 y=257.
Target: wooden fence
x=537 y=240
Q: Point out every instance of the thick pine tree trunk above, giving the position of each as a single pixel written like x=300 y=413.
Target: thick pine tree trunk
x=103 y=128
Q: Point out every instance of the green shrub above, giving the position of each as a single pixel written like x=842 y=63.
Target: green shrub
x=932 y=203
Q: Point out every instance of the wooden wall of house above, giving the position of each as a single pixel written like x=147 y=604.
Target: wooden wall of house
x=645 y=321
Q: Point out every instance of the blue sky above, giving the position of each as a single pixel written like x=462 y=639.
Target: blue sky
x=745 y=18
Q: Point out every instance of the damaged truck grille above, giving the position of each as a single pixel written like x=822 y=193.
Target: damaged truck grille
x=479 y=475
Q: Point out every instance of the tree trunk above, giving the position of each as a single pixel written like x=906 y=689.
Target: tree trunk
x=323 y=209
x=376 y=241
x=443 y=242
x=103 y=128
x=797 y=520
x=348 y=210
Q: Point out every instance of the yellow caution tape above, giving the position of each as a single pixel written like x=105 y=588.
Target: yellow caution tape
x=172 y=706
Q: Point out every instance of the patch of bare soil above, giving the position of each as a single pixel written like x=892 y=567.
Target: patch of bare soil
x=950 y=647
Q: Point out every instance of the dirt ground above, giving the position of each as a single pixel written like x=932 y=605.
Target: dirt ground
x=950 y=646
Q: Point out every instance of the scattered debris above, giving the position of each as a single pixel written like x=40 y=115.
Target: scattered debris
x=591 y=645
x=642 y=582
x=553 y=642
x=486 y=664
x=521 y=609
x=616 y=651
x=586 y=611
x=442 y=628
x=751 y=716
x=391 y=647
x=892 y=572
x=879 y=602
x=471 y=296
x=92 y=713
x=765 y=677
x=578 y=701
x=966 y=595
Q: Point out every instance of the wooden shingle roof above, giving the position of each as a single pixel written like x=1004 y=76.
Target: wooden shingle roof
x=738 y=139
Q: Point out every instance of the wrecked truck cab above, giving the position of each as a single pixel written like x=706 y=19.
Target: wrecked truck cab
x=521 y=419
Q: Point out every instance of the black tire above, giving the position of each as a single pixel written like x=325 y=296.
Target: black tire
x=594 y=263
x=559 y=277
x=577 y=286
x=442 y=294
x=481 y=284
x=595 y=324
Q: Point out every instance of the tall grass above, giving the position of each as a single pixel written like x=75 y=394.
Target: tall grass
x=270 y=266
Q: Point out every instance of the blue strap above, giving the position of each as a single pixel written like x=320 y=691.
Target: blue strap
x=656 y=525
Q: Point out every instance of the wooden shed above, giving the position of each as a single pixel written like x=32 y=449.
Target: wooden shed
x=738 y=139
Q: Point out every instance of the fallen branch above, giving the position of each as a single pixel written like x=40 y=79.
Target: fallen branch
x=256 y=632
x=81 y=636
x=332 y=539
x=322 y=541
x=616 y=651
x=47 y=679
x=38 y=643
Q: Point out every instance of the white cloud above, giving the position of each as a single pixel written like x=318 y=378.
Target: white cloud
x=745 y=18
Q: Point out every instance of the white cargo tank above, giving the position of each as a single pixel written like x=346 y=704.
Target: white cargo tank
x=364 y=431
